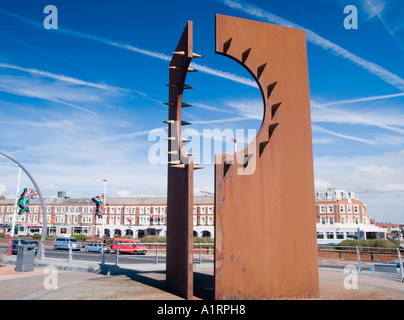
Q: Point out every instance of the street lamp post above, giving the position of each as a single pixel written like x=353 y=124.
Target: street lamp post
x=15 y=212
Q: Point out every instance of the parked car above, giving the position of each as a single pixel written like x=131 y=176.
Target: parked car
x=63 y=243
x=396 y=262
x=96 y=247
x=16 y=243
x=33 y=243
x=133 y=246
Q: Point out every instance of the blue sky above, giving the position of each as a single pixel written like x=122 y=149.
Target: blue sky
x=78 y=103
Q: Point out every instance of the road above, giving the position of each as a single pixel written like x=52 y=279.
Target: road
x=123 y=258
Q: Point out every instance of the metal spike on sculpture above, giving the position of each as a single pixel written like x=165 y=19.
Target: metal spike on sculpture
x=179 y=265
x=265 y=192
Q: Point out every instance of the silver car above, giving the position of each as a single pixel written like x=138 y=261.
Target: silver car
x=63 y=243
x=96 y=247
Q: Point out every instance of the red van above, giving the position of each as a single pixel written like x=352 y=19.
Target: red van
x=133 y=246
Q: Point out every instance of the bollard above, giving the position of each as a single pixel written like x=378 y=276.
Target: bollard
x=102 y=253
x=117 y=254
x=400 y=261
x=70 y=252
x=41 y=250
x=157 y=254
x=359 y=259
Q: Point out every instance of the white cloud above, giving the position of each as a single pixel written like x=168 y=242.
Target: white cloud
x=321 y=185
x=383 y=172
x=319 y=41
x=60 y=77
x=150 y=53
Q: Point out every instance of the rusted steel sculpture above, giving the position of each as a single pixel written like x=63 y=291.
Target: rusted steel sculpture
x=265 y=234
x=179 y=265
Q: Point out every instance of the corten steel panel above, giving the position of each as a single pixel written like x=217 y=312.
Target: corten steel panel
x=265 y=234
x=179 y=266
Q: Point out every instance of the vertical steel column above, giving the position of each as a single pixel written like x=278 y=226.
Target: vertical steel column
x=179 y=266
x=267 y=188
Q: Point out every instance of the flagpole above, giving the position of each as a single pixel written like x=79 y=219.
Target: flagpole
x=105 y=205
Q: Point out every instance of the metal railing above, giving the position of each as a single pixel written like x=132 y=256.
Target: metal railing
x=361 y=255
x=204 y=252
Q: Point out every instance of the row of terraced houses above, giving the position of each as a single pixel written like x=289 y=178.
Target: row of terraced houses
x=339 y=215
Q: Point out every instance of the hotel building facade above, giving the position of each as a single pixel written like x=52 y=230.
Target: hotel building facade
x=340 y=215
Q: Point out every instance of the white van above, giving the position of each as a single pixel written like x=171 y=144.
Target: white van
x=63 y=243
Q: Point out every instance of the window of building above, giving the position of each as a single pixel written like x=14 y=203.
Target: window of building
x=340 y=235
x=322 y=209
x=320 y=235
x=342 y=209
x=329 y=235
x=331 y=220
x=330 y=209
x=322 y=220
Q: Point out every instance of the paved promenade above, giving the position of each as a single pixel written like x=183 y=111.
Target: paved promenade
x=54 y=279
